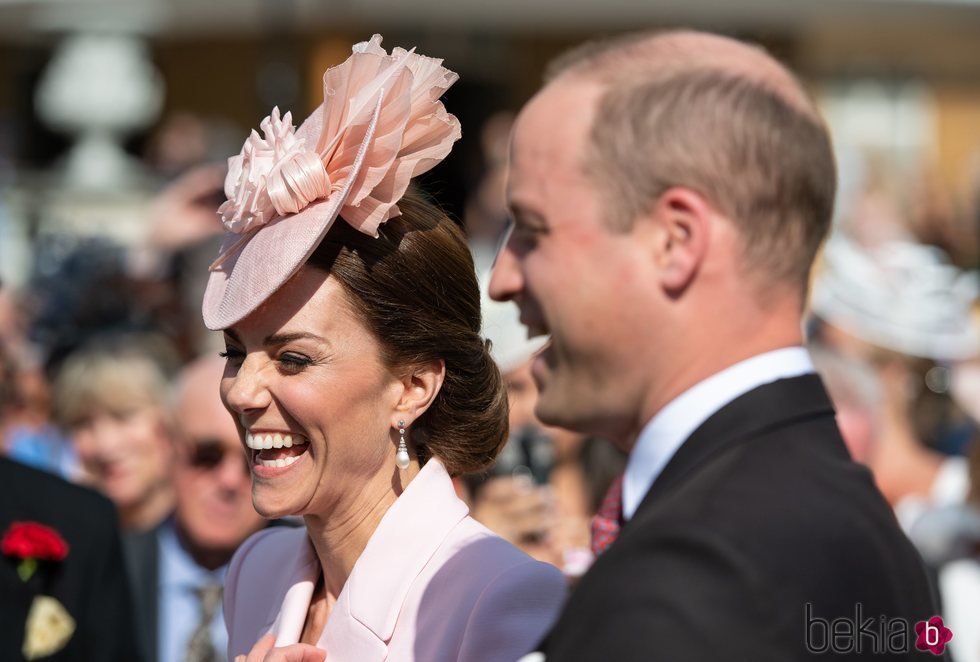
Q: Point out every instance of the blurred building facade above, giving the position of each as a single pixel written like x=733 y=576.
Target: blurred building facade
x=900 y=81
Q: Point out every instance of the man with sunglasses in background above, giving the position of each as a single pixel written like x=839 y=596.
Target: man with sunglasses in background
x=178 y=569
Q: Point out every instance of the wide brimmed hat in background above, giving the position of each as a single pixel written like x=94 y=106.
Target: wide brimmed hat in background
x=380 y=124
x=900 y=296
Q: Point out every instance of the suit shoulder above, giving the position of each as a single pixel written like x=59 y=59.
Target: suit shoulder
x=17 y=476
x=34 y=494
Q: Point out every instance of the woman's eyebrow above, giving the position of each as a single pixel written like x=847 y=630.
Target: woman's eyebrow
x=283 y=338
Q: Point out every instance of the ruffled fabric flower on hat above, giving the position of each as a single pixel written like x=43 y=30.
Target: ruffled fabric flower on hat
x=273 y=176
x=381 y=123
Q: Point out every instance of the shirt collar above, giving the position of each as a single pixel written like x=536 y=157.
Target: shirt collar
x=675 y=422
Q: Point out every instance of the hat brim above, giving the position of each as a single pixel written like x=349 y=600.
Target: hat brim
x=247 y=276
x=270 y=258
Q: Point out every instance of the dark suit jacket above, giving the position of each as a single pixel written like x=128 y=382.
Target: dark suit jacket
x=90 y=583
x=760 y=513
x=141 y=550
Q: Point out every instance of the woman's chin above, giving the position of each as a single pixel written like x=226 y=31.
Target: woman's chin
x=274 y=508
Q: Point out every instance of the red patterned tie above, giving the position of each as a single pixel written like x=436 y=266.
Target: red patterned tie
x=606 y=523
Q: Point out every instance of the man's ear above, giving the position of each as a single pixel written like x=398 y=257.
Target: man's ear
x=677 y=230
x=420 y=386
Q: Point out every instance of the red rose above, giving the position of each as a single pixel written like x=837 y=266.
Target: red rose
x=30 y=540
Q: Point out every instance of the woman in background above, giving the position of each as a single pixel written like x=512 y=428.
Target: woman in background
x=111 y=398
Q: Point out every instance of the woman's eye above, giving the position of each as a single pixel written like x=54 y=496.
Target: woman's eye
x=232 y=355
x=291 y=362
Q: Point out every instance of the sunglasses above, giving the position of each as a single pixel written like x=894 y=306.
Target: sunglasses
x=208 y=454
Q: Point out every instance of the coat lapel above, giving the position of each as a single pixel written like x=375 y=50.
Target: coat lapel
x=286 y=619
x=364 y=616
x=408 y=536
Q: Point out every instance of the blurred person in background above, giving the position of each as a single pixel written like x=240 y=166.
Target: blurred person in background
x=904 y=315
x=669 y=194
x=856 y=393
x=177 y=569
x=547 y=482
x=111 y=398
x=27 y=433
x=485 y=211
x=959 y=576
x=74 y=604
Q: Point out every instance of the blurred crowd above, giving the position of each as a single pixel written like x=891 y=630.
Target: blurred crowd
x=108 y=379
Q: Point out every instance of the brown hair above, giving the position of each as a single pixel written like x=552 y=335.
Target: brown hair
x=415 y=287
x=721 y=118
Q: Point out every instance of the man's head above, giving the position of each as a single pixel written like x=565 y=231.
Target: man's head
x=668 y=191
x=214 y=501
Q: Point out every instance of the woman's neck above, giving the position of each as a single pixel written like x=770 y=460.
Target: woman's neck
x=339 y=537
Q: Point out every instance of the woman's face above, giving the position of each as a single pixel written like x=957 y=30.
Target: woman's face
x=303 y=369
x=127 y=453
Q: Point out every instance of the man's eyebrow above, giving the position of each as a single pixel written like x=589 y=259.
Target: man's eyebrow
x=525 y=216
x=283 y=338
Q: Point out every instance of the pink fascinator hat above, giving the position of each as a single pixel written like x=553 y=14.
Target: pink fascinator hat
x=380 y=124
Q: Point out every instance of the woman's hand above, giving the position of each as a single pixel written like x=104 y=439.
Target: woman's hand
x=263 y=651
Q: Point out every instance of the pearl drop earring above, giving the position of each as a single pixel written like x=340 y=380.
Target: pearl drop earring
x=401 y=457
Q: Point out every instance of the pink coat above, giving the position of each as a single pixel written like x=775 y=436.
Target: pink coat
x=432 y=584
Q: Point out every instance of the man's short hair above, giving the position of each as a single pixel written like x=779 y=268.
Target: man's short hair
x=744 y=136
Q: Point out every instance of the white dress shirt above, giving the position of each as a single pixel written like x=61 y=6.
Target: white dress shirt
x=180 y=608
x=673 y=424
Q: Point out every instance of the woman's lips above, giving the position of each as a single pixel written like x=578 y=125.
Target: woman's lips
x=272 y=463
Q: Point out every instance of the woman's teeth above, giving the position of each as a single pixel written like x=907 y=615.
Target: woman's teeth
x=276 y=449
x=260 y=442
x=281 y=462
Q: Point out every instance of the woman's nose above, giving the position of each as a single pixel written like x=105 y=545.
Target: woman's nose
x=107 y=433
x=244 y=389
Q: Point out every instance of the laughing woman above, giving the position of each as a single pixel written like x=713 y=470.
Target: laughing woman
x=360 y=385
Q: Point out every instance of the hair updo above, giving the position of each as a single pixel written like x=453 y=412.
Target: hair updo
x=415 y=288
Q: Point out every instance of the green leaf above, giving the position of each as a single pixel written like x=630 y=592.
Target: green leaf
x=26 y=568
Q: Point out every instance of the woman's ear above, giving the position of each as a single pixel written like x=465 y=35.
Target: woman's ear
x=420 y=386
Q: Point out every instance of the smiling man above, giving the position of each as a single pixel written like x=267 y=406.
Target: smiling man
x=669 y=193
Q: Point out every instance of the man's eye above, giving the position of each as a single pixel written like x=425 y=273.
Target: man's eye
x=525 y=236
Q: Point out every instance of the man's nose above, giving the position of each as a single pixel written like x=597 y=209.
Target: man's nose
x=233 y=472
x=505 y=279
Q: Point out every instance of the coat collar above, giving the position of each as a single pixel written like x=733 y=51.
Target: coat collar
x=767 y=406
x=364 y=616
